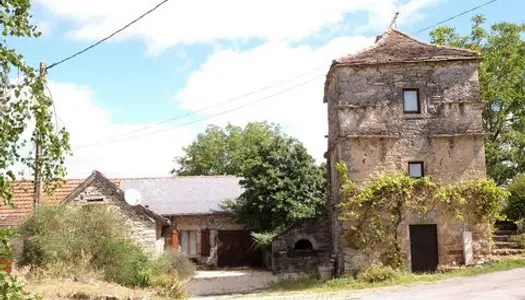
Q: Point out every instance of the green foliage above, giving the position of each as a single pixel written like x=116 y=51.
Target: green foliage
x=281 y=184
x=375 y=212
x=60 y=241
x=12 y=288
x=173 y=263
x=515 y=208
x=264 y=239
x=502 y=83
x=5 y=247
x=170 y=286
x=21 y=104
x=377 y=273
x=224 y=151
x=520 y=239
x=71 y=241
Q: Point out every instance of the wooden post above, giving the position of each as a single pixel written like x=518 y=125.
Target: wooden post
x=38 y=156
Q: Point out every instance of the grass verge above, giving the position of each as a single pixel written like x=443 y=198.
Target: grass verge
x=311 y=284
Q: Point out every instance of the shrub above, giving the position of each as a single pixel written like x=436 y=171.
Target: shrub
x=123 y=262
x=168 y=285
x=65 y=241
x=173 y=263
x=13 y=288
x=515 y=208
x=377 y=273
x=520 y=239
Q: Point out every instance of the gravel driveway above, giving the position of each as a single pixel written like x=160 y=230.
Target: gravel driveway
x=231 y=281
x=508 y=285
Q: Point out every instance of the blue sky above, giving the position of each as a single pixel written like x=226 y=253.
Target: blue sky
x=192 y=54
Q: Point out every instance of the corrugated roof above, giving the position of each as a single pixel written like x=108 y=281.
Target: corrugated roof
x=185 y=195
x=396 y=46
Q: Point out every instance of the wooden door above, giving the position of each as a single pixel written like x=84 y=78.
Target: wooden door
x=236 y=249
x=424 y=248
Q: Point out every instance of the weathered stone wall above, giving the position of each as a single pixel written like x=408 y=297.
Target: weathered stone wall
x=369 y=131
x=286 y=259
x=213 y=222
x=146 y=231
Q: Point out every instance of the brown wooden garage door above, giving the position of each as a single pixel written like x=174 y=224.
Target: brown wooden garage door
x=236 y=249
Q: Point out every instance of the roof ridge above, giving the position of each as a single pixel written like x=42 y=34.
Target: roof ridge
x=415 y=39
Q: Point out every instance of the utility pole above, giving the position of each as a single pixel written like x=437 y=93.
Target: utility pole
x=38 y=156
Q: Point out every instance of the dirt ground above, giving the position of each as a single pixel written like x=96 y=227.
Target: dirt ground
x=230 y=281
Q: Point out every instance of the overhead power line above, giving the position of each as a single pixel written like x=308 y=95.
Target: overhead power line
x=107 y=37
x=208 y=117
x=129 y=135
x=455 y=16
x=178 y=117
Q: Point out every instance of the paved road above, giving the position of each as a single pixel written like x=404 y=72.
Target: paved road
x=495 y=286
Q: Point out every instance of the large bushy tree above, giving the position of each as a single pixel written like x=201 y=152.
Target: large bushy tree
x=281 y=180
x=502 y=81
x=224 y=151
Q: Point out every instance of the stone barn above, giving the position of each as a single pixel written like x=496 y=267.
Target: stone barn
x=407 y=106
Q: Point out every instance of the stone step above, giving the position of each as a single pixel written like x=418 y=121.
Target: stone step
x=506 y=245
x=505 y=252
x=506 y=232
x=502 y=238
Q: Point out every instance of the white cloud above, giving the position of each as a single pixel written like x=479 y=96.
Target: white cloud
x=88 y=123
x=202 y=21
x=227 y=74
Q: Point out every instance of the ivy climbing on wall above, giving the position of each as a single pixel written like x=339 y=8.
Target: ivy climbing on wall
x=373 y=213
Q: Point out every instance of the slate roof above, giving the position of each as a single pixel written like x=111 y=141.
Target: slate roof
x=396 y=46
x=187 y=195
x=163 y=196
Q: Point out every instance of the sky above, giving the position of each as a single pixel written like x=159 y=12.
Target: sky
x=204 y=62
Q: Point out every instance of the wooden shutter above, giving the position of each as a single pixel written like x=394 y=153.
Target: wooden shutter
x=205 y=242
x=175 y=243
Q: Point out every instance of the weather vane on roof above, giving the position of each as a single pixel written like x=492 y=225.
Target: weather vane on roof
x=394 y=20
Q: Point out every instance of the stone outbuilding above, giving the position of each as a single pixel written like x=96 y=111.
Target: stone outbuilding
x=202 y=229
x=302 y=247
x=407 y=106
x=145 y=226
x=182 y=213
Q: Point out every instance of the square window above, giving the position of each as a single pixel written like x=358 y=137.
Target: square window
x=415 y=169
x=411 y=101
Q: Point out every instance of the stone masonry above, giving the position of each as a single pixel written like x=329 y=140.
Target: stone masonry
x=211 y=222
x=369 y=131
x=143 y=229
x=289 y=257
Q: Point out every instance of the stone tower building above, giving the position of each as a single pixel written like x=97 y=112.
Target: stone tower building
x=408 y=106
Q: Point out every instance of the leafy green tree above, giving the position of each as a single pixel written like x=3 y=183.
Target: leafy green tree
x=282 y=185
x=281 y=180
x=502 y=81
x=515 y=209
x=24 y=107
x=224 y=151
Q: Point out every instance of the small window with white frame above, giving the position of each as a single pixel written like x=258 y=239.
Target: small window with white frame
x=411 y=103
x=416 y=169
